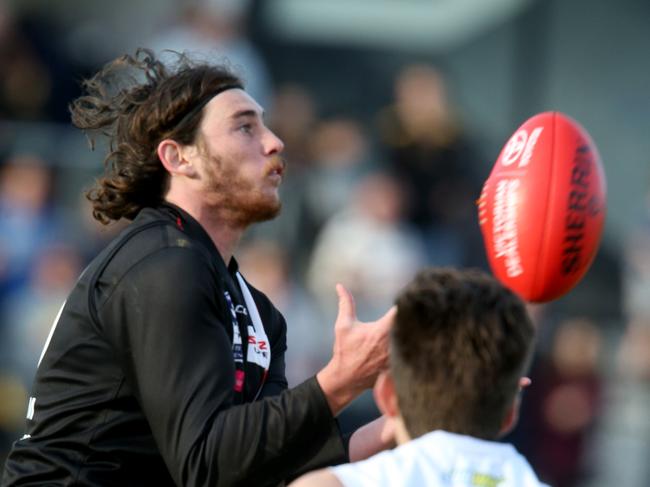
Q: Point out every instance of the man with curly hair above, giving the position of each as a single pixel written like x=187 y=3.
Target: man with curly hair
x=164 y=366
x=459 y=347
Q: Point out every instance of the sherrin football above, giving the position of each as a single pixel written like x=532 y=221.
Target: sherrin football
x=542 y=209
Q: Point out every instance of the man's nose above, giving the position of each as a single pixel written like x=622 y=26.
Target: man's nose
x=272 y=143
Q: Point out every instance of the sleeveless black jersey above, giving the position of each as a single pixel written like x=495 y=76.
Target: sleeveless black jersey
x=147 y=376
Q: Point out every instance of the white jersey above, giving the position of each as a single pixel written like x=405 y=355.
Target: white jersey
x=441 y=459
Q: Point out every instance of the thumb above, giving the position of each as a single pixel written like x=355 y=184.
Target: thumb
x=388 y=319
x=347 y=309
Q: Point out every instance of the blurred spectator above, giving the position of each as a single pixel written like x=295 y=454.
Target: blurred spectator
x=31 y=310
x=309 y=338
x=293 y=118
x=341 y=157
x=368 y=248
x=26 y=220
x=634 y=352
x=85 y=233
x=430 y=153
x=35 y=82
x=636 y=256
x=564 y=403
x=624 y=441
x=12 y=411
x=214 y=31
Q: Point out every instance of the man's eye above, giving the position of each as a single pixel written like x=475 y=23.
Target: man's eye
x=246 y=128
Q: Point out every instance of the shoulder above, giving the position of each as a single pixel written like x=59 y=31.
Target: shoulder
x=407 y=464
x=376 y=470
x=148 y=236
x=152 y=241
x=152 y=251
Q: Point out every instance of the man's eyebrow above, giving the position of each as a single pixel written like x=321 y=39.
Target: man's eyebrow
x=246 y=113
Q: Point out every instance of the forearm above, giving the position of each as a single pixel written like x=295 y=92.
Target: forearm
x=270 y=440
x=259 y=443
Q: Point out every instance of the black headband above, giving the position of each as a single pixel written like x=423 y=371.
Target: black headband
x=204 y=101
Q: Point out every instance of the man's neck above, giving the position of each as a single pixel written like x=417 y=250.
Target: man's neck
x=225 y=236
x=223 y=233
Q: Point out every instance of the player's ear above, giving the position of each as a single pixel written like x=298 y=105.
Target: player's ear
x=176 y=158
x=512 y=416
x=510 y=421
x=385 y=396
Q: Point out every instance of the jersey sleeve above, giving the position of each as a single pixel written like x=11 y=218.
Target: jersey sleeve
x=164 y=321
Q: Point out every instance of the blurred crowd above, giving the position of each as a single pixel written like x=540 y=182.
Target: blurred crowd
x=366 y=202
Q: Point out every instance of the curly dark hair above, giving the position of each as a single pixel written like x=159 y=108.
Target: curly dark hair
x=458 y=348
x=137 y=101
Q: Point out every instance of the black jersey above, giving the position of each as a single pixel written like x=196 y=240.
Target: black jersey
x=148 y=379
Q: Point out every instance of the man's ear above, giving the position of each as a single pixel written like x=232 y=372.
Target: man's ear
x=512 y=416
x=385 y=396
x=173 y=157
x=510 y=421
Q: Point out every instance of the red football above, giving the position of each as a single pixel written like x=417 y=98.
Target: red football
x=542 y=209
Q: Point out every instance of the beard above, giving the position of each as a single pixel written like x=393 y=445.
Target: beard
x=237 y=199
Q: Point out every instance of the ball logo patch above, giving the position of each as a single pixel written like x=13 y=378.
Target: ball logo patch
x=514 y=148
x=520 y=147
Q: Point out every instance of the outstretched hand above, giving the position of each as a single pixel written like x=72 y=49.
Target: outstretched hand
x=360 y=353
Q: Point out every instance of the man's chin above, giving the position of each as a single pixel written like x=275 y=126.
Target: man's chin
x=270 y=215
x=264 y=213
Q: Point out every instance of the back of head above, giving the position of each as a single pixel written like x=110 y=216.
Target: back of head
x=458 y=348
x=137 y=101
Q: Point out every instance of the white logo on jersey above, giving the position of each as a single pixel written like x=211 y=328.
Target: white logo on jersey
x=259 y=350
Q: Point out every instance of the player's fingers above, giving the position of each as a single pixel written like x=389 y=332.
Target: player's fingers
x=347 y=308
x=524 y=382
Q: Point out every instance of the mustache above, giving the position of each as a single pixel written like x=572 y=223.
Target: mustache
x=276 y=163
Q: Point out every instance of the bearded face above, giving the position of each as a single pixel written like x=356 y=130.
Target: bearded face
x=234 y=169
x=243 y=198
